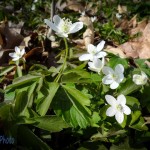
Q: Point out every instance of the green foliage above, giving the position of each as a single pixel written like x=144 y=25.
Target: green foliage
x=43 y=106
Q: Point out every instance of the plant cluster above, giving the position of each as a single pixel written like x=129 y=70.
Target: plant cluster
x=95 y=95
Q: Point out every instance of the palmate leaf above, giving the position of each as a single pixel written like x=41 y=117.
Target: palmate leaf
x=49 y=92
x=72 y=104
x=21 y=102
x=128 y=87
x=5 y=70
x=23 y=80
x=50 y=123
x=76 y=76
x=5 y=111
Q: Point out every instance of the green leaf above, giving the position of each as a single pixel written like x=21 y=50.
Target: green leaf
x=75 y=76
x=29 y=140
x=50 y=123
x=128 y=87
x=140 y=125
x=79 y=96
x=135 y=116
x=50 y=91
x=21 y=102
x=5 y=70
x=70 y=108
x=116 y=60
x=132 y=101
x=5 y=111
x=22 y=80
x=31 y=93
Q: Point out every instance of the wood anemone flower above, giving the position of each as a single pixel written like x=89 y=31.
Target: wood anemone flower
x=94 y=51
x=63 y=26
x=140 y=79
x=17 y=54
x=113 y=77
x=117 y=107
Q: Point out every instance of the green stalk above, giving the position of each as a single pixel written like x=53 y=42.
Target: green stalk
x=65 y=61
x=19 y=71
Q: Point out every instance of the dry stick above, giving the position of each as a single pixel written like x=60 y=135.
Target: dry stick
x=50 y=33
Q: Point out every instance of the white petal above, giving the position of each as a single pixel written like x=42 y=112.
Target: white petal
x=121 y=99
x=22 y=52
x=119 y=117
x=57 y=20
x=114 y=85
x=91 y=48
x=127 y=110
x=91 y=64
x=12 y=54
x=15 y=58
x=111 y=100
x=61 y=34
x=101 y=54
x=108 y=70
x=97 y=63
x=76 y=27
x=100 y=46
x=17 y=50
x=119 y=68
x=120 y=77
x=143 y=74
x=110 y=112
x=107 y=79
x=85 y=57
x=51 y=25
x=137 y=79
x=93 y=67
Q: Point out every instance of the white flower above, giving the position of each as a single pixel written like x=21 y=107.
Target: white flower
x=96 y=65
x=94 y=51
x=118 y=107
x=63 y=27
x=113 y=77
x=93 y=18
x=140 y=79
x=118 y=16
x=17 y=54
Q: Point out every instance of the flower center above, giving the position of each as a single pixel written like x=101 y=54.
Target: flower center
x=141 y=80
x=114 y=76
x=66 y=25
x=119 y=108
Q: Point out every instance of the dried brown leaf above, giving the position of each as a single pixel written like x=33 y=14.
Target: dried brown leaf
x=12 y=38
x=75 y=6
x=122 y=9
x=130 y=49
x=116 y=51
x=88 y=35
x=147 y=120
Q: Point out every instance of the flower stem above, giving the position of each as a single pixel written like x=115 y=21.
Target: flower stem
x=19 y=71
x=65 y=61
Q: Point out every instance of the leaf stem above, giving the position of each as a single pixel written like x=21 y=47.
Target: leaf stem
x=65 y=61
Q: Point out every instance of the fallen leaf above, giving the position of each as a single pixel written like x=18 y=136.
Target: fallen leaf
x=88 y=35
x=147 y=120
x=130 y=49
x=122 y=9
x=75 y=6
x=12 y=38
x=60 y=5
x=116 y=51
x=33 y=52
